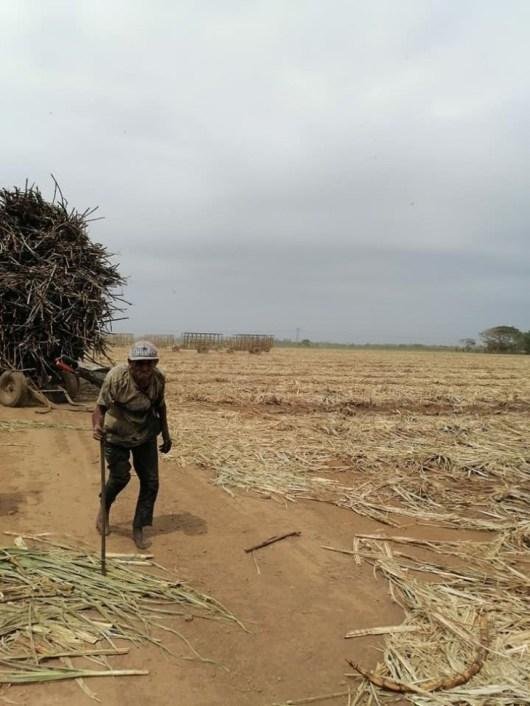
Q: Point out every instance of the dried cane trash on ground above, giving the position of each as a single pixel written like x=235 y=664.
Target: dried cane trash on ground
x=55 y=604
x=429 y=439
x=466 y=632
x=437 y=436
x=474 y=476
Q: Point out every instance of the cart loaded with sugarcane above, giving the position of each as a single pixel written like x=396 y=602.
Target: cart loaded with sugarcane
x=58 y=298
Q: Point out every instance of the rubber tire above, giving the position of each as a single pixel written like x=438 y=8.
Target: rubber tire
x=71 y=384
x=13 y=388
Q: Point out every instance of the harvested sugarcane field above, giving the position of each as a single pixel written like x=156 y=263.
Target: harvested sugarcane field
x=264 y=353
x=334 y=526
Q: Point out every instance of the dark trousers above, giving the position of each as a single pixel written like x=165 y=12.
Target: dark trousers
x=145 y=461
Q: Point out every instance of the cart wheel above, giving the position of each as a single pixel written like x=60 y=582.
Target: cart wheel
x=71 y=384
x=13 y=388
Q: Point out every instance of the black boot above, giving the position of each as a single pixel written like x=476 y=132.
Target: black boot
x=139 y=539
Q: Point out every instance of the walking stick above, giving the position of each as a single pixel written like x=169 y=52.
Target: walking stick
x=103 y=509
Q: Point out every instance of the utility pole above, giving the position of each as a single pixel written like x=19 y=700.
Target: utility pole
x=297 y=335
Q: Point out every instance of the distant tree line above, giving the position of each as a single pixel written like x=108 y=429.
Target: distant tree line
x=307 y=343
x=497 y=339
x=500 y=339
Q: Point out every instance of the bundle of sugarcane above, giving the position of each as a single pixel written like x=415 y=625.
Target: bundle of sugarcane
x=57 y=288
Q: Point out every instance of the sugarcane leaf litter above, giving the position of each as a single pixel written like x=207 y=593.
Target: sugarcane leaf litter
x=55 y=603
x=442 y=440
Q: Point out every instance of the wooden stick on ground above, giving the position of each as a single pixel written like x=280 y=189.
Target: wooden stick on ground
x=272 y=540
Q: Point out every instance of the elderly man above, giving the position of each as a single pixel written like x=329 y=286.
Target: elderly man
x=130 y=413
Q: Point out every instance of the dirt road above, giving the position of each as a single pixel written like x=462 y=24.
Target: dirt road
x=296 y=599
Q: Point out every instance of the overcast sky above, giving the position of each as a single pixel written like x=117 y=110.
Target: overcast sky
x=357 y=170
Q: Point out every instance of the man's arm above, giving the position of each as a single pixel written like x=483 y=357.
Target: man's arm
x=166 y=444
x=104 y=401
x=98 y=417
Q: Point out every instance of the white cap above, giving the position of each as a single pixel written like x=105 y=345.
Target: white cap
x=143 y=350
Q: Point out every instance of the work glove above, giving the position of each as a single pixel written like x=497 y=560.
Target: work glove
x=165 y=446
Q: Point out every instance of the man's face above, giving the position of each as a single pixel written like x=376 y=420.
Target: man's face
x=142 y=371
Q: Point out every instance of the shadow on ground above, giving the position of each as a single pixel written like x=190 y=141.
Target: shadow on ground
x=184 y=522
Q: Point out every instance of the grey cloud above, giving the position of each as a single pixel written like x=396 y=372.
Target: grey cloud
x=358 y=169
